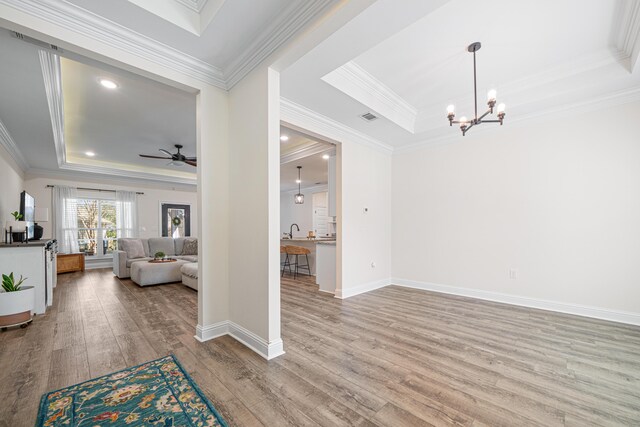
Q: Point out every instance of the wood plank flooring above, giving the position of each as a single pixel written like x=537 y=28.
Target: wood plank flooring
x=392 y=357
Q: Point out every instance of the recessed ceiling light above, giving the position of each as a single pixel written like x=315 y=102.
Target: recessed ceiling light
x=90 y=153
x=325 y=156
x=284 y=138
x=109 y=84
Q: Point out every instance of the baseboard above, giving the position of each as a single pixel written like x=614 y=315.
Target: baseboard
x=575 y=309
x=209 y=332
x=361 y=289
x=246 y=337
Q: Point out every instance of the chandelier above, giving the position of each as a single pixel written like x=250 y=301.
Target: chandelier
x=466 y=124
x=299 y=198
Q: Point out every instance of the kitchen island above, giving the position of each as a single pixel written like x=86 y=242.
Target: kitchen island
x=326 y=266
x=305 y=243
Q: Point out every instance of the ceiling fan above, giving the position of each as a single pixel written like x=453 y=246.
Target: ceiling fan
x=177 y=159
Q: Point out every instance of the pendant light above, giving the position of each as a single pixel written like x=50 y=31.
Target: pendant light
x=299 y=198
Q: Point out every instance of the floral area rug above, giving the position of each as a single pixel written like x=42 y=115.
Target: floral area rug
x=157 y=393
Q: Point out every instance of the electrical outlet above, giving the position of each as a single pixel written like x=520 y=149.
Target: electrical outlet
x=513 y=273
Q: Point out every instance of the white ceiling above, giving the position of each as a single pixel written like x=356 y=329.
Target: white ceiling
x=231 y=39
x=408 y=64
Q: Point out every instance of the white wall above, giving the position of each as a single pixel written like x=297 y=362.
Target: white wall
x=148 y=203
x=559 y=201
x=302 y=215
x=364 y=181
x=11 y=185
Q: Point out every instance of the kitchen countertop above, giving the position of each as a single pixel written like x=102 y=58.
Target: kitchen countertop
x=304 y=239
x=24 y=245
x=327 y=242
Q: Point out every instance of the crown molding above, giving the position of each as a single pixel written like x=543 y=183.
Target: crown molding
x=297 y=15
x=123 y=173
x=74 y=18
x=10 y=145
x=628 y=39
x=309 y=189
x=302 y=117
x=97 y=173
x=356 y=82
x=52 y=75
x=306 y=151
x=608 y=100
x=194 y=5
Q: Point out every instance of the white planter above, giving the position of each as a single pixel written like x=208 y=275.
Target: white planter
x=17 y=302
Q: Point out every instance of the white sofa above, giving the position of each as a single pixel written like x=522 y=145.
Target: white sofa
x=190 y=275
x=170 y=246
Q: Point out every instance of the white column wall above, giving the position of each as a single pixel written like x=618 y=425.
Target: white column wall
x=254 y=211
x=213 y=212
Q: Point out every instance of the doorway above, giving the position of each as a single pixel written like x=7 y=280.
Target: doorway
x=308 y=211
x=176 y=220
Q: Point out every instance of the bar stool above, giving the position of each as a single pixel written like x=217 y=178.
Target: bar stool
x=286 y=263
x=297 y=251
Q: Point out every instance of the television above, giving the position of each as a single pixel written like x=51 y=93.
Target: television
x=28 y=211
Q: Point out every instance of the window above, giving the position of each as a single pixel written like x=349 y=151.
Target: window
x=97 y=231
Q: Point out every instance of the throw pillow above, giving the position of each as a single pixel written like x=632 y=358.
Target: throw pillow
x=133 y=248
x=190 y=247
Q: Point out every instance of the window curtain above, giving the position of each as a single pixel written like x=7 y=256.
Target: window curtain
x=126 y=213
x=65 y=208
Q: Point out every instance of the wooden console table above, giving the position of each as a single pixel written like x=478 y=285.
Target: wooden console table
x=70 y=262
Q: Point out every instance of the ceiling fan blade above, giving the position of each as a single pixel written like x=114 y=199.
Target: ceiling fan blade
x=193 y=159
x=191 y=162
x=166 y=152
x=154 y=157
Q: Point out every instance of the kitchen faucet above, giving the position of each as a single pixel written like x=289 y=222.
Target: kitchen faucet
x=291 y=230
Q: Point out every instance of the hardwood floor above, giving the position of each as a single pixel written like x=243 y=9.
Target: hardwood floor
x=391 y=357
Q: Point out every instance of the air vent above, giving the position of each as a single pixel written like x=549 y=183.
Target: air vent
x=36 y=42
x=369 y=117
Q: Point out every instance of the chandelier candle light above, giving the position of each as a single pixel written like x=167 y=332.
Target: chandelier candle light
x=299 y=198
x=466 y=124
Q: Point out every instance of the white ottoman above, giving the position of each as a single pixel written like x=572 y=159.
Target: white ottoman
x=190 y=275
x=149 y=273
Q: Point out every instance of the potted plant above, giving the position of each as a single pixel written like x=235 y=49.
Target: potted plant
x=159 y=255
x=17 y=226
x=16 y=302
